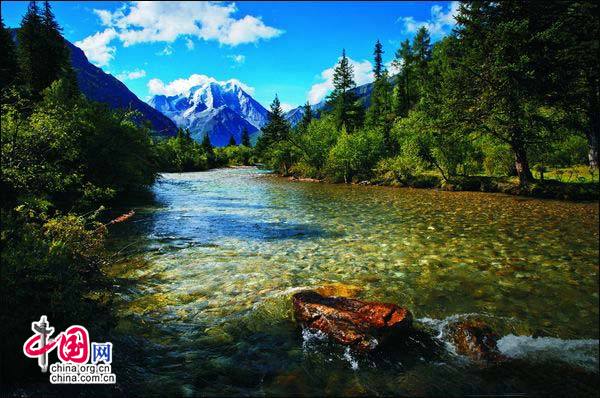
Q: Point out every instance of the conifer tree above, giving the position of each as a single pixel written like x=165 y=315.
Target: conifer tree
x=277 y=128
x=8 y=61
x=404 y=62
x=206 y=144
x=379 y=68
x=342 y=100
x=246 y=138
x=306 y=116
x=56 y=55
x=30 y=50
x=231 y=141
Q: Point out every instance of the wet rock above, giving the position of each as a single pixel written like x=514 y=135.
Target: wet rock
x=359 y=324
x=476 y=340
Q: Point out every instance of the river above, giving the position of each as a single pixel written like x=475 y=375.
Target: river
x=209 y=267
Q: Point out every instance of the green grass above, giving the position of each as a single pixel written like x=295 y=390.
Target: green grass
x=573 y=174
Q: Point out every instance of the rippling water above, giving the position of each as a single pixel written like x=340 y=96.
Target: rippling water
x=209 y=269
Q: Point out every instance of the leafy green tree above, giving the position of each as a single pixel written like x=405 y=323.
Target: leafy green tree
x=246 y=138
x=342 y=100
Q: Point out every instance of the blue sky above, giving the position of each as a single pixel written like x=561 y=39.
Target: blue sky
x=286 y=48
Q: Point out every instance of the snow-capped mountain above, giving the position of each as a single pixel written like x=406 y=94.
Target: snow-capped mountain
x=219 y=109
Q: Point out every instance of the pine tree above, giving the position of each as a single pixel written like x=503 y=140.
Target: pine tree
x=8 y=61
x=342 y=100
x=39 y=39
x=30 y=50
x=306 y=116
x=378 y=69
x=246 y=138
x=403 y=61
x=206 y=144
x=277 y=128
x=231 y=141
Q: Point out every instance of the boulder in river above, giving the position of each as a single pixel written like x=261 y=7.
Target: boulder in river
x=476 y=340
x=359 y=324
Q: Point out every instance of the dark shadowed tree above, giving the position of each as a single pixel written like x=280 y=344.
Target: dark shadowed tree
x=231 y=141
x=246 y=138
x=8 y=61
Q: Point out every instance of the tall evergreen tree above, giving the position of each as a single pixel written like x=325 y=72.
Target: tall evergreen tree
x=404 y=62
x=56 y=54
x=277 y=128
x=379 y=68
x=8 y=61
x=246 y=138
x=342 y=100
x=379 y=114
x=30 y=49
x=307 y=115
x=497 y=87
x=231 y=141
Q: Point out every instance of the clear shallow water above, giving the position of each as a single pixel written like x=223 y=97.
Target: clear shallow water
x=209 y=269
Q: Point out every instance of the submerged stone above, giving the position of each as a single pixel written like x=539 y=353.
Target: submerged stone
x=476 y=340
x=359 y=324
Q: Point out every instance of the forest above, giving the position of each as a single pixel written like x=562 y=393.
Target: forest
x=513 y=91
x=510 y=101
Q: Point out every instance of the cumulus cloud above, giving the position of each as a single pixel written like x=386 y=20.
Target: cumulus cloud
x=440 y=23
x=363 y=73
x=132 y=75
x=183 y=86
x=96 y=47
x=237 y=58
x=165 y=21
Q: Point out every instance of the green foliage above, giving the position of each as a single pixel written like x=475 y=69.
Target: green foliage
x=354 y=155
x=49 y=266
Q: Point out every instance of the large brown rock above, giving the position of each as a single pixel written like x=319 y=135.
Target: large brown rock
x=476 y=340
x=359 y=324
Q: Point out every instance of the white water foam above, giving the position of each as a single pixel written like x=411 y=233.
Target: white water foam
x=583 y=352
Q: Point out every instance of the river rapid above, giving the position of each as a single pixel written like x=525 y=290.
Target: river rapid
x=208 y=269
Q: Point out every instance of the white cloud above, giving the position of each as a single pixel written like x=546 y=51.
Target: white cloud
x=287 y=107
x=135 y=74
x=363 y=73
x=165 y=21
x=168 y=50
x=182 y=86
x=237 y=58
x=393 y=68
x=189 y=43
x=440 y=23
x=96 y=47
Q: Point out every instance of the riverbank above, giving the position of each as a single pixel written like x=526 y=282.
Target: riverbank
x=546 y=189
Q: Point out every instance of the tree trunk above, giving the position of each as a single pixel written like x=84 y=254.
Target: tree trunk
x=522 y=165
x=592 y=136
